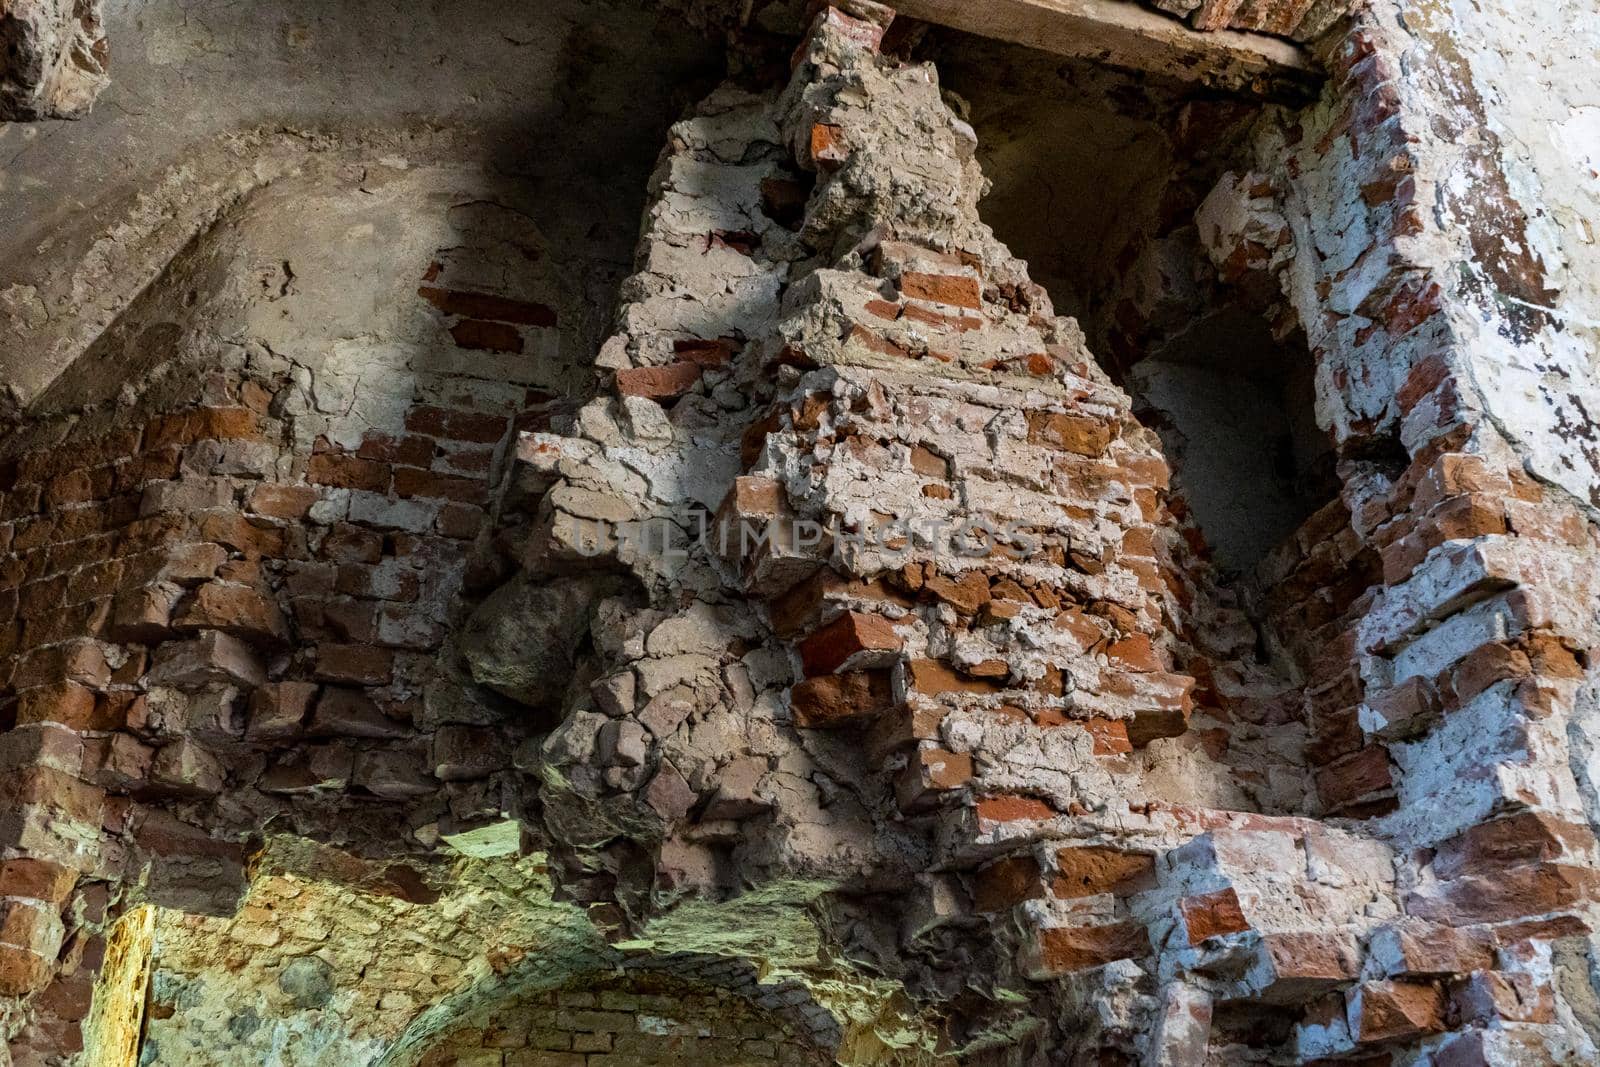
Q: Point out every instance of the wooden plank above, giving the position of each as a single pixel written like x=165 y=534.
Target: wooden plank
x=1125 y=34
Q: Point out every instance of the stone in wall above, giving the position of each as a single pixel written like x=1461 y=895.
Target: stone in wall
x=53 y=59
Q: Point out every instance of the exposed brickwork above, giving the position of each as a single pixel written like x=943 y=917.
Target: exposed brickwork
x=674 y=668
x=646 y=1022
x=203 y=605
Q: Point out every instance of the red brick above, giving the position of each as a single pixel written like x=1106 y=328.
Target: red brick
x=68 y=999
x=95 y=581
x=40 y=598
x=1078 y=434
x=1456 y=474
x=53 y=789
x=955 y=290
x=353 y=621
x=278 y=710
x=79 y=486
x=351 y=713
x=79 y=661
x=412 y=482
x=457 y=425
x=1405 y=710
x=238 y=610
x=1037 y=364
x=875 y=342
x=1410 y=307
x=714 y=353
x=842 y=699
x=828 y=148
x=163 y=834
x=902 y=727
x=1492 y=997
x=379 y=583
x=1212 y=915
x=1135 y=653
x=464 y=459
x=144 y=615
x=1392 y=1011
x=1006 y=883
x=254 y=538
x=1503 y=895
x=36 y=879
x=411 y=450
x=461 y=521
x=754 y=496
x=1162 y=701
x=967 y=595
x=1354 y=777
x=1551 y=658
x=472 y=305
x=211 y=657
x=486 y=336
x=1090 y=870
x=1524 y=837
x=1411 y=949
x=931 y=771
x=158 y=465
x=118 y=762
x=345 y=543
x=21 y=501
x=932 y=678
x=288 y=502
x=186 y=427
x=1064 y=950
x=41 y=466
x=658 y=383
x=22 y=972
x=66 y=703
x=1008 y=808
x=1110 y=737
x=826 y=650
x=355 y=664
x=348 y=472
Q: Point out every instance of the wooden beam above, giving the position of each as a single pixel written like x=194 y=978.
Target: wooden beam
x=1126 y=34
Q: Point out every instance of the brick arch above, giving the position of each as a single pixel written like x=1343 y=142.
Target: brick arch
x=622 y=1001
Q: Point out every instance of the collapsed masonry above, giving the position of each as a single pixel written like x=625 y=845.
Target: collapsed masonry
x=857 y=688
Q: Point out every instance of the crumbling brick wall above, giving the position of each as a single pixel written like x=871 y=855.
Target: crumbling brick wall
x=200 y=605
x=1044 y=785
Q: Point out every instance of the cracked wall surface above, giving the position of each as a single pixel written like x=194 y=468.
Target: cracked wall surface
x=424 y=644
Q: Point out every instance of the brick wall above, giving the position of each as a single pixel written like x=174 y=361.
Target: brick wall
x=648 y=1022
x=196 y=602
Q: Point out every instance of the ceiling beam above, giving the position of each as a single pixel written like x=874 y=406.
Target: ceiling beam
x=1126 y=34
